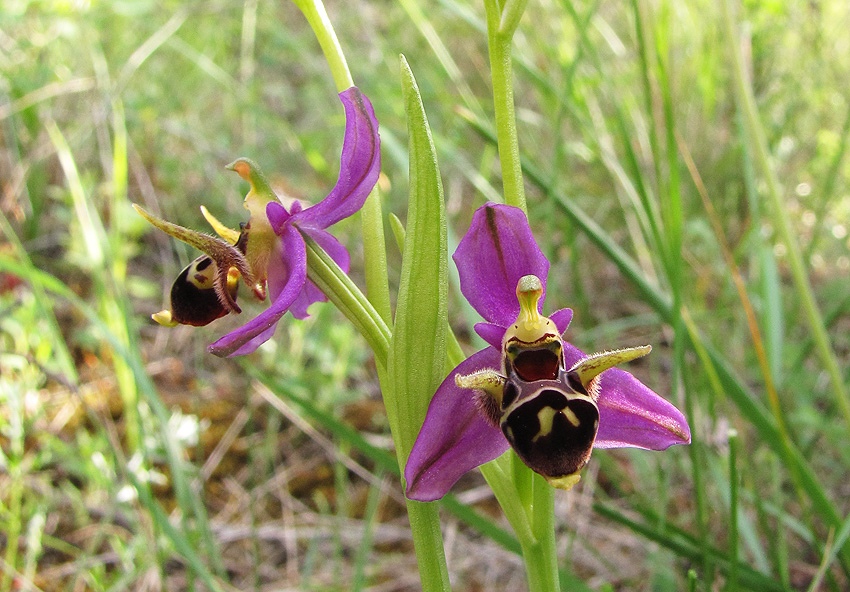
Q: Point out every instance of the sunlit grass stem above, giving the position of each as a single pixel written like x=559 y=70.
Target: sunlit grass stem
x=499 y=43
x=734 y=479
x=780 y=217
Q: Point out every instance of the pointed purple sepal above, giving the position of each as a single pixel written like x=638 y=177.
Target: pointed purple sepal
x=631 y=415
x=360 y=164
x=455 y=436
x=493 y=255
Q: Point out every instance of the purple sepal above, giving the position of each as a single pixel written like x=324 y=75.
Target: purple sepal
x=360 y=164
x=631 y=415
x=455 y=436
x=494 y=254
x=287 y=274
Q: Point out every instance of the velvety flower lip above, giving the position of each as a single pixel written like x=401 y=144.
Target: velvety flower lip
x=455 y=437
x=289 y=288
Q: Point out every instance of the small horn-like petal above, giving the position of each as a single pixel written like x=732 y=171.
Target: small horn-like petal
x=225 y=232
x=595 y=364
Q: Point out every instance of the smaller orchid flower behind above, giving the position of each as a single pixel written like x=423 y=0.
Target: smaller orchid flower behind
x=529 y=390
x=269 y=251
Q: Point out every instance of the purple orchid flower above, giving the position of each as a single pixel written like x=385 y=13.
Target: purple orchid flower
x=288 y=286
x=270 y=250
x=460 y=431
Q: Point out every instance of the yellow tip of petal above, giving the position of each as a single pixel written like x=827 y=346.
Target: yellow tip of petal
x=228 y=234
x=566 y=483
x=484 y=379
x=164 y=318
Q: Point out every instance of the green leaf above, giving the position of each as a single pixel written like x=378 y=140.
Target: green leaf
x=418 y=345
x=417 y=355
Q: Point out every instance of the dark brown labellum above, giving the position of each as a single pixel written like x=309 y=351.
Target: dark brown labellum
x=203 y=292
x=194 y=300
x=551 y=428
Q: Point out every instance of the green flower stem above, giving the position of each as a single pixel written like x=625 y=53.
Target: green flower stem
x=522 y=480
x=315 y=13
x=534 y=494
x=747 y=104
x=541 y=559
x=511 y=13
x=501 y=72
x=372 y=316
x=347 y=297
x=497 y=474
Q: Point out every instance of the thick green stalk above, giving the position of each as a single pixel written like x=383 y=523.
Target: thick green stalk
x=373 y=316
x=780 y=218
x=501 y=72
x=341 y=291
x=541 y=558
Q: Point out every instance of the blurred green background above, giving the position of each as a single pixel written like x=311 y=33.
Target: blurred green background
x=133 y=460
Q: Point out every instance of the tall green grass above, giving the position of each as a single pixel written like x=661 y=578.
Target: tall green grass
x=686 y=172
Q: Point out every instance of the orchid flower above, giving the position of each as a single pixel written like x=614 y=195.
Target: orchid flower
x=269 y=252
x=529 y=389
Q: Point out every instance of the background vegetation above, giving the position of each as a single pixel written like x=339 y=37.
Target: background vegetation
x=133 y=460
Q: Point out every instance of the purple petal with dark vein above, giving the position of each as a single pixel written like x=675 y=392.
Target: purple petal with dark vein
x=490 y=333
x=311 y=293
x=360 y=164
x=455 y=436
x=287 y=274
x=631 y=415
x=494 y=254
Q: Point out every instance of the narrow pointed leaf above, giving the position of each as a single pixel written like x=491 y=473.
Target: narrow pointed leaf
x=418 y=345
x=417 y=356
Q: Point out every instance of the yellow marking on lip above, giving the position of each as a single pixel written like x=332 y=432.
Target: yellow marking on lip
x=545 y=416
x=571 y=416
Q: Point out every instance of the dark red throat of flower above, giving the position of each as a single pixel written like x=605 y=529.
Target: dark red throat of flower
x=537 y=364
